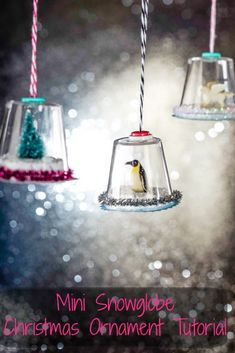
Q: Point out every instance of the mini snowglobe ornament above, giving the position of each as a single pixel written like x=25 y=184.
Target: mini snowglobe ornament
x=209 y=89
x=139 y=179
x=32 y=141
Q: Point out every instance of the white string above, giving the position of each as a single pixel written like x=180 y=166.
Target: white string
x=213 y=26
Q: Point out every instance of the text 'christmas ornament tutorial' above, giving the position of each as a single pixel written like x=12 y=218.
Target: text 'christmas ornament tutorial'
x=138 y=178
x=32 y=140
x=209 y=88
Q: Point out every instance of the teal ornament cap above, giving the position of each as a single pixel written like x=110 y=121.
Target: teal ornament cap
x=209 y=55
x=37 y=100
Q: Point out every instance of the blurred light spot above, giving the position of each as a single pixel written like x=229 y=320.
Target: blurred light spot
x=29 y=198
x=192 y=313
x=16 y=194
x=230 y=335
x=40 y=195
x=211 y=275
x=162 y=314
x=78 y=279
x=218 y=274
x=66 y=258
x=47 y=205
x=151 y=266
x=31 y=187
x=167 y=2
x=175 y=175
x=40 y=212
x=43 y=347
x=13 y=224
x=157 y=264
x=200 y=136
x=65 y=318
x=116 y=273
x=186 y=273
x=127 y=3
x=219 y=126
x=53 y=232
x=88 y=76
x=90 y=264
x=113 y=258
x=72 y=88
x=228 y=308
x=60 y=346
x=200 y=306
x=72 y=113
x=212 y=133
x=68 y=206
x=59 y=198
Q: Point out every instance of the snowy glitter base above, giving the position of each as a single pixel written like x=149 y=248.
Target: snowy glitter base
x=35 y=175
x=41 y=164
x=139 y=205
x=197 y=113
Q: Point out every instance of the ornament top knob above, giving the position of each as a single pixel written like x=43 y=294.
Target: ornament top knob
x=140 y=133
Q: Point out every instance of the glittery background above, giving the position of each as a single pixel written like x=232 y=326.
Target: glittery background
x=89 y=61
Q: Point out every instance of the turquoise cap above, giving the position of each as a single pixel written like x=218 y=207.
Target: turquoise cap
x=209 y=55
x=33 y=100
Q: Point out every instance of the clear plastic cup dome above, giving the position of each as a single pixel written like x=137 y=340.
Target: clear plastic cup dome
x=209 y=89
x=138 y=179
x=32 y=143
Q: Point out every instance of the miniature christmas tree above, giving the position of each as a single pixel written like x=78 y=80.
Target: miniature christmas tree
x=31 y=144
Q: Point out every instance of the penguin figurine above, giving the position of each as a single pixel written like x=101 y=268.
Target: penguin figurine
x=138 y=176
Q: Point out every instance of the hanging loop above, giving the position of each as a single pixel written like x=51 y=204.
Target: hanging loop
x=144 y=28
x=213 y=26
x=33 y=90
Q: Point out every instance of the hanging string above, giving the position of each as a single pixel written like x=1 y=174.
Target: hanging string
x=213 y=26
x=34 y=75
x=144 y=27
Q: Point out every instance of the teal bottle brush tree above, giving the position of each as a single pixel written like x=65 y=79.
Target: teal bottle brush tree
x=31 y=144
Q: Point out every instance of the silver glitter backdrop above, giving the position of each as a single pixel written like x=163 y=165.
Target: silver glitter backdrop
x=89 y=61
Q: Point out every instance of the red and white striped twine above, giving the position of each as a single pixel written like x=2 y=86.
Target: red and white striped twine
x=34 y=75
x=213 y=26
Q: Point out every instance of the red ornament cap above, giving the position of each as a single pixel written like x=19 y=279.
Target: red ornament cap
x=140 y=133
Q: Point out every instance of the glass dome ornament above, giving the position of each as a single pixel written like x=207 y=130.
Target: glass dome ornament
x=32 y=141
x=138 y=178
x=209 y=88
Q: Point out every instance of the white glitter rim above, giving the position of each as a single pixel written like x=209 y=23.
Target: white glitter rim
x=150 y=205
x=184 y=112
x=160 y=207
